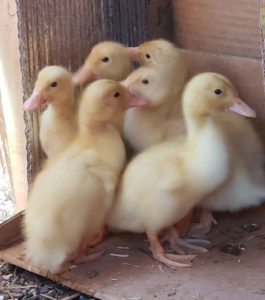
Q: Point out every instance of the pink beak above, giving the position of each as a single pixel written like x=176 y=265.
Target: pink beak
x=83 y=75
x=240 y=107
x=137 y=101
x=133 y=53
x=35 y=100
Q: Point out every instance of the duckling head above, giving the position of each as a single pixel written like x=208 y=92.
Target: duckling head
x=154 y=52
x=210 y=93
x=53 y=86
x=151 y=83
x=105 y=98
x=106 y=60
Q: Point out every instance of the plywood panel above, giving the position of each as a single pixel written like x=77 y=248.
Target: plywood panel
x=219 y=26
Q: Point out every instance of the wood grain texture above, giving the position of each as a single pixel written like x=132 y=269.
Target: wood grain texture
x=63 y=32
x=11 y=231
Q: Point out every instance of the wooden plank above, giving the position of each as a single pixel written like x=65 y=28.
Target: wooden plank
x=220 y=26
x=12 y=102
x=11 y=231
x=137 y=276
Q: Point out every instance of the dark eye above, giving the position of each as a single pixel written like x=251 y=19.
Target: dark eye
x=117 y=94
x=105 y=59
x=54 y=84
x=145 y=81
x=218 y=91
x=147 y=55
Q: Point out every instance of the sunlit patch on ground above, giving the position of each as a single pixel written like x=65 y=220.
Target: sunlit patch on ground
x=6 y=195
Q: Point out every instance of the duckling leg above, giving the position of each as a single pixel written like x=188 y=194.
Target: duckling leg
x=85 y=258
x=206 y=222
x=176 y=242
x=99 y=237
x=80 y=256
x=168 y=237
x=159 y=254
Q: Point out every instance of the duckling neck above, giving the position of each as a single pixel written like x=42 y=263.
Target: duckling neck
x=208 y=158
x=162 y=110
x=61 y=107
x=106 y=141
x=195 y=123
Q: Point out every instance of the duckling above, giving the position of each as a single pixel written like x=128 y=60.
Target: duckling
x=71 y=196
x=54 y=87
x=246 y=186
x=161 y=118
x=163 y=183
x=106 y=60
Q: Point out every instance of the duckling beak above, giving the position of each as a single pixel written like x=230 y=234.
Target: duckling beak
x=133 y=53
x=35 y=100
x=137 y=100
x=83 y=75
x=240 y=107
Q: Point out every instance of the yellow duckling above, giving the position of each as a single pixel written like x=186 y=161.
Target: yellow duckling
x=71 y=195
x=54 y=87
x=163 y=183
x=246 y=184
x=161 y=118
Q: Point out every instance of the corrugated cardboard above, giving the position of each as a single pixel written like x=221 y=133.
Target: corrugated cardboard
x=218 y=26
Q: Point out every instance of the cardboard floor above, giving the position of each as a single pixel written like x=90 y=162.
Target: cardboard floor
x=127 y=270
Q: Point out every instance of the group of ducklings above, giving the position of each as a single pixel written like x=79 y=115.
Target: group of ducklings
x=194 y=147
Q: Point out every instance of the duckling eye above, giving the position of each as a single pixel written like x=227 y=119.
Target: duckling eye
x=218 y=91
x=147 y=55
x=145 y=81
x=54 y=84
x=105 y=59
x=117 y=94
